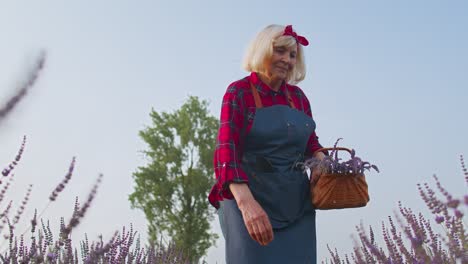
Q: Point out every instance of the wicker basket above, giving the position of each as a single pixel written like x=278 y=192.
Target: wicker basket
x=338 y=191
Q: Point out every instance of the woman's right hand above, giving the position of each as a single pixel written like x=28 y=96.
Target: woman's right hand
x=255 y=218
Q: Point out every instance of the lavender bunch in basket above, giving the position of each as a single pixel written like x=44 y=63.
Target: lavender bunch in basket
x=333 y=164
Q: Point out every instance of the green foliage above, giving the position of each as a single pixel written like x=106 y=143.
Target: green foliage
x=172 y=188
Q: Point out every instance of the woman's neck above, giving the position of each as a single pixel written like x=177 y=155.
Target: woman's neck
x=274 y=84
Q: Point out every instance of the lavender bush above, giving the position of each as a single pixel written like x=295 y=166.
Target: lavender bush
x=413 y=237
x=44 y=246
x=123 y=247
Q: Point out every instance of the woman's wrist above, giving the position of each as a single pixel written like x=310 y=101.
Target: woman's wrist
x=319 y=155
x=241 y=193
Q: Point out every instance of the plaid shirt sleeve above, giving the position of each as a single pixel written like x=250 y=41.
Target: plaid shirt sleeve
x=228 y=152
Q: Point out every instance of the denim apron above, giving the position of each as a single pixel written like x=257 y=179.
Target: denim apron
x=273 y=147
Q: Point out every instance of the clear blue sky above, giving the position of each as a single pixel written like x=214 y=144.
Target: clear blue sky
x=387 y=76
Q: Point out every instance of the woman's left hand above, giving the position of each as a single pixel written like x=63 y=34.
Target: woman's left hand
x=316 y=174
x=318 y=171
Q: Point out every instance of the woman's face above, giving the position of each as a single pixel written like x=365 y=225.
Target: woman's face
x=282 y=62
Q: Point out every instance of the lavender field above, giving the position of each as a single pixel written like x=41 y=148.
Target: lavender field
x=388 y=77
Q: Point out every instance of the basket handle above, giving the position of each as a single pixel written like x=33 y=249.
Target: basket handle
x=337 y=148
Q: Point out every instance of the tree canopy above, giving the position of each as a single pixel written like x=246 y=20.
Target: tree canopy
x=172 y=187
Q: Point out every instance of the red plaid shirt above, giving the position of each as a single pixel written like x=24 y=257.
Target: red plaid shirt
x=237 y=114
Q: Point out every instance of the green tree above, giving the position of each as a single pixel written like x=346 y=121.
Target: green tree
x=172 y=187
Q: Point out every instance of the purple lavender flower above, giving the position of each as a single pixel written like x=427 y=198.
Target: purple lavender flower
x=453 y=203
x=465 y=170
x=458 y=214
x=12 y=165
x=50 y=256
x=61 y=185
x=439 y=219
x=23 y=90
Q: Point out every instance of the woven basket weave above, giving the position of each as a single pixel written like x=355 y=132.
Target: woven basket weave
x=339 y=191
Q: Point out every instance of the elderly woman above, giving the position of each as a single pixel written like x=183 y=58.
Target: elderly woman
x=266 y=130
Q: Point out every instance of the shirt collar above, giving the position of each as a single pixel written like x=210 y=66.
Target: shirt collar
x=263 y=87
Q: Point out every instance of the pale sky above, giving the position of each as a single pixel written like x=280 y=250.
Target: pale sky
x=387 y=76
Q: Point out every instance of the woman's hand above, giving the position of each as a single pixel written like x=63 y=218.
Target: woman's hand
x=255 y=219
x=257 y=222
x=318 y=171
x=316 y=174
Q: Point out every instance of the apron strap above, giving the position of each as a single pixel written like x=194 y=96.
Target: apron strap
x=258 y=102
x=290 y=101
